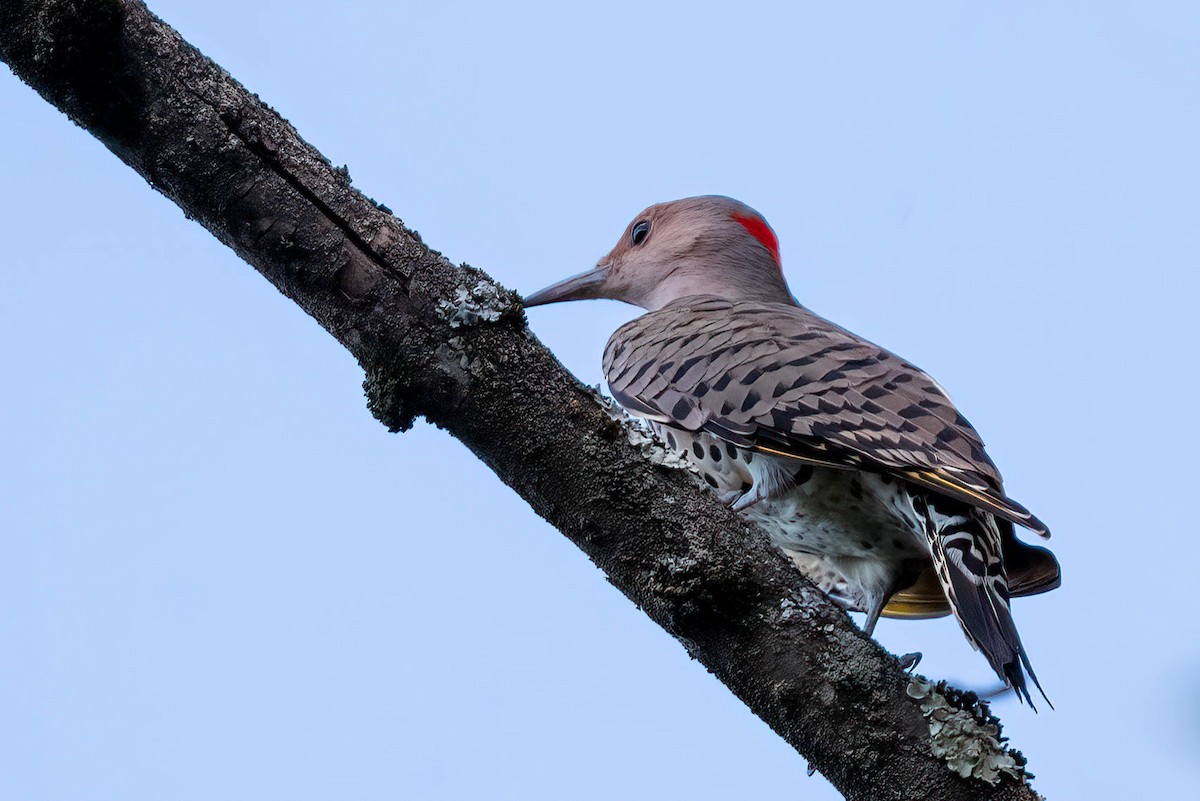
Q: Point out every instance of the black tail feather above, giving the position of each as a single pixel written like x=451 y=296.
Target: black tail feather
x=966 y=550
x=1016 y=679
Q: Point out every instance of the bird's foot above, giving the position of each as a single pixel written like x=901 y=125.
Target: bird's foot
x=910 y=661
x=747 y=499
x=729 y=497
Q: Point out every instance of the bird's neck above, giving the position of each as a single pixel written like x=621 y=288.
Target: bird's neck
x=767 y=289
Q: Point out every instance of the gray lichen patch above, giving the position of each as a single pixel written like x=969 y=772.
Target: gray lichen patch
x=483 y=302
x=969 y=744
x=794 y=607
x=456 y=353
x=639 y=434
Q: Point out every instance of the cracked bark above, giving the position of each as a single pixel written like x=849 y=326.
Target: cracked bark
x=446 y=343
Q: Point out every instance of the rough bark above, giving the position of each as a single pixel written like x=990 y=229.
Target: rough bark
x=447 y=343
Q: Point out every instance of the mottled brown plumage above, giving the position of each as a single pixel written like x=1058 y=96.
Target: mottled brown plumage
x=775 y=376
x=865 y=473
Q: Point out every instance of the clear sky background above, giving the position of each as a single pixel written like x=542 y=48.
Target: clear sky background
x=220 y=578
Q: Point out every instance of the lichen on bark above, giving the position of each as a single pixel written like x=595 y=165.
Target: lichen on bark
x=964 y=734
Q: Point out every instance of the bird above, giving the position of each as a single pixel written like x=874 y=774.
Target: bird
x=855 y=462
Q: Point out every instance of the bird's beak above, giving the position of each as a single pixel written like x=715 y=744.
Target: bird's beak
x=577 y=287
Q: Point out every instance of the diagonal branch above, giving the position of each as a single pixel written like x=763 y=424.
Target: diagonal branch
x=447 y=343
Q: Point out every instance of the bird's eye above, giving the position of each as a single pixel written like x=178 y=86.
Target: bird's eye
x=640 y=232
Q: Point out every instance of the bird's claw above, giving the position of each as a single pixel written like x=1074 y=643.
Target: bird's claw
x=729 y=497
x=909 y=661
x=745 y=500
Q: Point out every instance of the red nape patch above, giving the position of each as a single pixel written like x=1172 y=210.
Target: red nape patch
x=759 y=229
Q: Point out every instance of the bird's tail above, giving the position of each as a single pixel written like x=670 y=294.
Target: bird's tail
x=966 y=546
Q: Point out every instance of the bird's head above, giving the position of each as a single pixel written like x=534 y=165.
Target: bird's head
x=709 y=245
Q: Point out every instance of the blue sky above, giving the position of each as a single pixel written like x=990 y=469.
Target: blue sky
x=222 y=579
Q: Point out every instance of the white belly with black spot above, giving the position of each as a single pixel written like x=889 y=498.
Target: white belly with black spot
x=807 y=509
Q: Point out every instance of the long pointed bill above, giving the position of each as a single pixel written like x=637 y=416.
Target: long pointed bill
x=577 y=287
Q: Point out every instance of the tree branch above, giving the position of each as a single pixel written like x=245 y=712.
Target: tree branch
x=447 y=343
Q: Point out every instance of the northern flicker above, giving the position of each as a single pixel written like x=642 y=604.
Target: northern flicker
x=854 y=461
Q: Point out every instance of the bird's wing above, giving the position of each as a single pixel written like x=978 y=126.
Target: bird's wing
x=780 y=379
